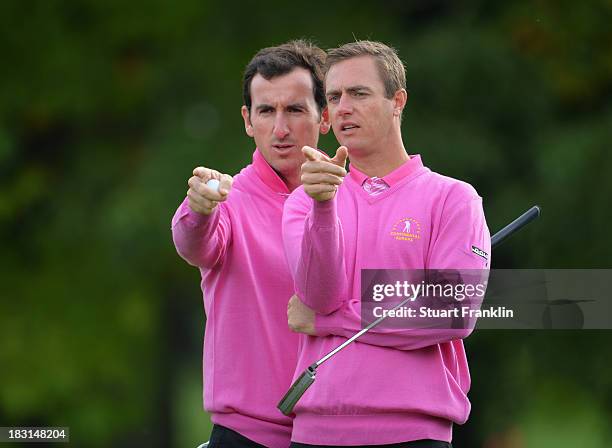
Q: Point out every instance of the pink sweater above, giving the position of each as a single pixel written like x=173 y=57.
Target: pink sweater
x=249 y=352
x=392 y=385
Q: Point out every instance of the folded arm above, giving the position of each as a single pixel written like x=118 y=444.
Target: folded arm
x=461 y=226
x=314 y=247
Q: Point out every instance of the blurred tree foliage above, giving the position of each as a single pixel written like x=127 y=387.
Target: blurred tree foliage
x=107 y=106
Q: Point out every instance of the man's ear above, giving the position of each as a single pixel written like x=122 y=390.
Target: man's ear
x=248 y=127
x=325 y=123
x=399 y=101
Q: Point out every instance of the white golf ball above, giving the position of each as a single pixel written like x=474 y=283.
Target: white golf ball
x=213 y=183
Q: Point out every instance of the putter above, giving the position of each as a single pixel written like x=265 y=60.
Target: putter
x=305 y=380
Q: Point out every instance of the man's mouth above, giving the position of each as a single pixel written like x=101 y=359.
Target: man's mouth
x=283 y=148
x=348 y=127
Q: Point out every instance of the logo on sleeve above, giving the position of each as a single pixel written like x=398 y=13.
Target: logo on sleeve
x=406 y=229
x=480 y=252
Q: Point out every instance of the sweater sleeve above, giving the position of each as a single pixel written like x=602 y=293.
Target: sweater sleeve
x=462 y=226
x=201 y=240
x=314 y=247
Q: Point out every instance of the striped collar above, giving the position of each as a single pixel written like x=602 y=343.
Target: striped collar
x=401 y=172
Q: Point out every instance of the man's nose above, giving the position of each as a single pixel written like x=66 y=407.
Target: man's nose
x=281 y=127
x=345 y=105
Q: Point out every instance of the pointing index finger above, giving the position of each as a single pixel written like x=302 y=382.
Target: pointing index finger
x=312 y=154
x=201 y=172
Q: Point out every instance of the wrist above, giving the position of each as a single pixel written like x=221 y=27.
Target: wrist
x=325 y=212
x=197 y=219
x=330 y=324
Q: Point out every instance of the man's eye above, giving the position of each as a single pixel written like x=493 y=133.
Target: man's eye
x=359 y=94
x=265 y=111
x=332 y=98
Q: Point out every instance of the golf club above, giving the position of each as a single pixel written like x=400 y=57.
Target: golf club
x=305 y=380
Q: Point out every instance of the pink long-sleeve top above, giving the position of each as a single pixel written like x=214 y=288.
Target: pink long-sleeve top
x=392 y=385
x=249 y=352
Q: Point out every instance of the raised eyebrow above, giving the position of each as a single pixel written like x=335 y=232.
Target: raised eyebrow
x=352 y=89
x=296 y=106
x=358 y=88
x=261 y=107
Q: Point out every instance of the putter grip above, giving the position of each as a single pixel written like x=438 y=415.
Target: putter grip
x=297 y=389
x=515 y=225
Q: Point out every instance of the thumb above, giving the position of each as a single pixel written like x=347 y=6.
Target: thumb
x=340 y=157
x=225 y=185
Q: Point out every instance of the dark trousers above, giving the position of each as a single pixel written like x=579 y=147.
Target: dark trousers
x=413 y=444
x=222 y=437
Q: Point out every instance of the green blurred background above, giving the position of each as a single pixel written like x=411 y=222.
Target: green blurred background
x=106 y=107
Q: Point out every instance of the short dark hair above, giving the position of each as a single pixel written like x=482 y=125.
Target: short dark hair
x=390 y=67
x=277 y=61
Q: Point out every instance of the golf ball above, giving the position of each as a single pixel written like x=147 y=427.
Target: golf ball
x=214 y=184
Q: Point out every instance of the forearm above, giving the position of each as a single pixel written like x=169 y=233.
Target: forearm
x=411 y=334
x=314 y=248
x=199 y=239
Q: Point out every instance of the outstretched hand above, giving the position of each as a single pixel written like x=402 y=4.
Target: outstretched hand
x=322 y=175
x=202 y=197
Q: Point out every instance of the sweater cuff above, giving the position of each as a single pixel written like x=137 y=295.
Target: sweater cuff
x=195 y=219
x=324 y=214
x=330 y=324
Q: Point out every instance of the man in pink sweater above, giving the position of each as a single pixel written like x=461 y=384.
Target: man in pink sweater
x=397 y=387
x=233 y=235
